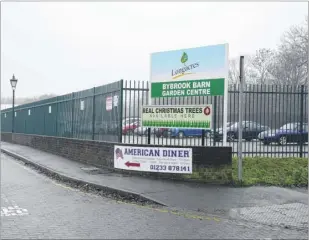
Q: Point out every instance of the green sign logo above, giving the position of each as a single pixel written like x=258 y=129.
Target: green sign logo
x=184 y=58
x=176 y=73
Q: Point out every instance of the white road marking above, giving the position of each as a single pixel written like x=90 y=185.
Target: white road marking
x=13 y=211
x=12 y=208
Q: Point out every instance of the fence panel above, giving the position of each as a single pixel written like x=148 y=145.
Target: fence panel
x=266 y=107
x=82 y=114
x=6 y=121
x=107 y=114
x=135 y=95
x=112 y=113
x=50 y=117
x=64 y=116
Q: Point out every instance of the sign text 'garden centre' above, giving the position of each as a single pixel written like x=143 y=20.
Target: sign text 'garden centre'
x=191 y=72
x=199 y=117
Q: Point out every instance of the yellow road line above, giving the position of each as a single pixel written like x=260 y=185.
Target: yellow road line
x=174 y=212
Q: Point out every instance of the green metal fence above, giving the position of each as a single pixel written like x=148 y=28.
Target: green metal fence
x=112 y=112
x=90 y=114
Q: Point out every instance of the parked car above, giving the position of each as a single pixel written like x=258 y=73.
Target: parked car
x=288 y=133
x=130 y=120
x=251 y=130
x=271 y=131
x=265 y=133
x=129 y=128
x=188 y=132
x=143 y=131
x=162 y=132
x=228 y=124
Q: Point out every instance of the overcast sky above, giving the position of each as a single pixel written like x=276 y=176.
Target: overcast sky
x=64 y=47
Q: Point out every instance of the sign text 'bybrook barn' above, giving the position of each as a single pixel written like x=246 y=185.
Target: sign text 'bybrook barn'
x=208 y=87
x=153 y=159
x=198 y=117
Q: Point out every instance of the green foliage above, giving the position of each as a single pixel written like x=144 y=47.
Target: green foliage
x=257 y=171
x=285 y=172
x=289 y=171
x=184 y=58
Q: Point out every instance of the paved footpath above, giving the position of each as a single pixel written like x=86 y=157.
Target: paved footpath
x=272 y=206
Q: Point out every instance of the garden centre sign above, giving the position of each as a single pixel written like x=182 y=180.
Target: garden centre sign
x=201 y=71
x=199 y=117
x=153 y=159
x=191 y=72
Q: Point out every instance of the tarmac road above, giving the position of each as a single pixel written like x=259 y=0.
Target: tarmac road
x=34 y=206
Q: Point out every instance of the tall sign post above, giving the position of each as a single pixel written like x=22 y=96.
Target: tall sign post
x=308 y=79
x=240 y=126
x=201 y=71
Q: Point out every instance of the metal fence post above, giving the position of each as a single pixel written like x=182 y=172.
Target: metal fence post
x=302 y=92
x=44 y=124
x=13 y=112
x=215 y=121
x=93 y=114
x=149 y=103
x=241 y=85
x=121 y=111
x=72 y=126
x=57 y=106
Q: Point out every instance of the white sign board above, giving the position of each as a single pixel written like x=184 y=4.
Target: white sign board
x=109 y=103
x=115 y=100
x=82 y=105
x=177 y=116
x=153 y=159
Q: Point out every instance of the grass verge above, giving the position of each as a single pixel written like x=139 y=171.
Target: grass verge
x=284 y=172
x=290 y=171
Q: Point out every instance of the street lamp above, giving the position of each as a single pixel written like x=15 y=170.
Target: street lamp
x=13 y=84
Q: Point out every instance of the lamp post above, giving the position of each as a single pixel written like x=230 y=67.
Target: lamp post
x=13 y=84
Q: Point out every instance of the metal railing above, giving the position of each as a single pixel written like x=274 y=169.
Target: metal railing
x=269 y=106
x=112 y=112
x=92 y=114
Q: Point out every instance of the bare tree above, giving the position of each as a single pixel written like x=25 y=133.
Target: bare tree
x=290 y=65
x=234 y=70
x=260 y=64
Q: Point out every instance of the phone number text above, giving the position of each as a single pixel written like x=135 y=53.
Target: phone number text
x=170 y=168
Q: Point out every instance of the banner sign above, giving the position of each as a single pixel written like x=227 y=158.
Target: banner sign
x=200 y=71
x=109 y=103
x=153 y=159
x=177 y=116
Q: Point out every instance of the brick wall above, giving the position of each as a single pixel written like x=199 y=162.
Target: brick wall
x=100 y=154
x=86 y=151
x=6 y=137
